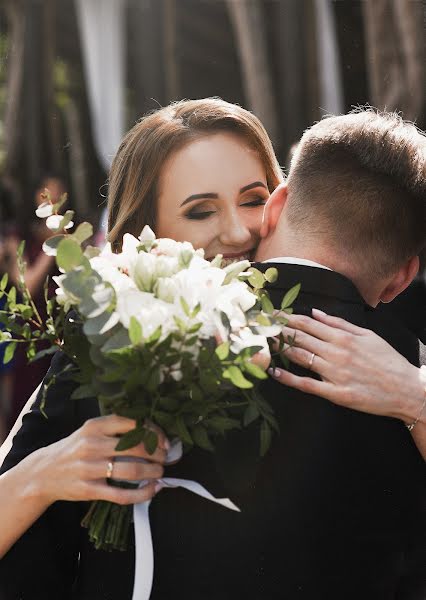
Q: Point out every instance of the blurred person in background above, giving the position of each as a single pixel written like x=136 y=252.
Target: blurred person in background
x=34 y=231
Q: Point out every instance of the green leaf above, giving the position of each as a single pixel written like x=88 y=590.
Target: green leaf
x=131 y=438
x=21 y=248
x=185 y=306
x=59 y=203
x=255 y=370
x=83 y=232
x=250 y=414
x=222 y=424
x=83 y=391
x=237 y=378
x=150 y=440
x=222 y=351
x=180 y=323
x=182 y=431
x=263 y=320
x=267 y=305
x=135 y=331
x=290 y=296
x=45 y=352
x=9 y=352
x=12 y=297
x=155 y=336
x=201 y=438
x=3 y=283
x=69 y=254
x=256 y=279
x=67 y=218
x=271 y=275
x=50 y=246
x=265 y=438
x=194 y=328
x=196 y=310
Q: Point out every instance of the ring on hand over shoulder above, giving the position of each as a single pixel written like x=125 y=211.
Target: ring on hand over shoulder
x=110 y=468
x=311 y=360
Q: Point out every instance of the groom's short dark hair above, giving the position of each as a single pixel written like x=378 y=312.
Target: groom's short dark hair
x=359 y=181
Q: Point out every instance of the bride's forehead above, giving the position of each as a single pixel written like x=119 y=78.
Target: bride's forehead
x=218 y=157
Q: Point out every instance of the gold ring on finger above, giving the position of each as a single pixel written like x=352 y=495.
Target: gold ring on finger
x=110 y=468
x=311 y=360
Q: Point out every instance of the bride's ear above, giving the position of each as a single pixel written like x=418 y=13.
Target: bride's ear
x=273 y=209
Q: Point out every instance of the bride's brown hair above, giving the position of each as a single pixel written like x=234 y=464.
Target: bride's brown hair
x=135 y=171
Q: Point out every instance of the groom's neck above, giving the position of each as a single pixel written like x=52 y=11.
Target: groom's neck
x=284 y=242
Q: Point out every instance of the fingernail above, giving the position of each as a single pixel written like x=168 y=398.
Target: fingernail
x=166 y=444
x=158 y=487
x=274 y=372
x=317 y=311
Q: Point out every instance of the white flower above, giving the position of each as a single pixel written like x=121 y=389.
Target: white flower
x=147 y=235
x=235 y=299
x=247 y=339
x=53 y=222
x=142 y=271
x=149 y=311
x=108 y=271
x=44 y=210
x=166 y=289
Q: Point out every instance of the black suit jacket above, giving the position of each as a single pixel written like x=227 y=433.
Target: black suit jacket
x=335 y=510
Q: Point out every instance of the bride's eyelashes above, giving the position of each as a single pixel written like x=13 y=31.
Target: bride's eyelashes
x=197 y=213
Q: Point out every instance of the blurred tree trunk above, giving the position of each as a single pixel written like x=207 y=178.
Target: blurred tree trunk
x=396 y=55
x=171 y=64
x=251 y=38
x=15 y=14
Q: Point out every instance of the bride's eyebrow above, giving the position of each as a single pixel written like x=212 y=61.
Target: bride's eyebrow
x=213 y=196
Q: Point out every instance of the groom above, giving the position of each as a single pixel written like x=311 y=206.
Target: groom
x=349 y=491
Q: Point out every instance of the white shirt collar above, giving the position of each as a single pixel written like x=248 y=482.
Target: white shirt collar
x=291 y=260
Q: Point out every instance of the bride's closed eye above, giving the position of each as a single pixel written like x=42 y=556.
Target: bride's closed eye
x=200 y=213
x=259 y=201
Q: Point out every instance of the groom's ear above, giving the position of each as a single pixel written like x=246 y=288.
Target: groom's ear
x=273 y=209
x=401 y=280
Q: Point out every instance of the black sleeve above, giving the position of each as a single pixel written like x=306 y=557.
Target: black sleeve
x=43 y=562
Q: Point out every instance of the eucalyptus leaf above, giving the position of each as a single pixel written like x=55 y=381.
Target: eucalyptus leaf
x=256 y=278
x=101 y=324
x=50 y=246
x=120 y=339
x=69 y=254
x=83 y=232
x=271 y=275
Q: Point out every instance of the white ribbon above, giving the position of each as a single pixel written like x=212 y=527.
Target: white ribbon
x=144 y=554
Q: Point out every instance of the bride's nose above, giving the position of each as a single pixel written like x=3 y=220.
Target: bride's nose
x=234 y=231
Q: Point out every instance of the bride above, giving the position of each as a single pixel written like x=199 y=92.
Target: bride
x=199 y=171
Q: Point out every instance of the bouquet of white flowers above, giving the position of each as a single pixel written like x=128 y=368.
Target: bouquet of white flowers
x=156 y=333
